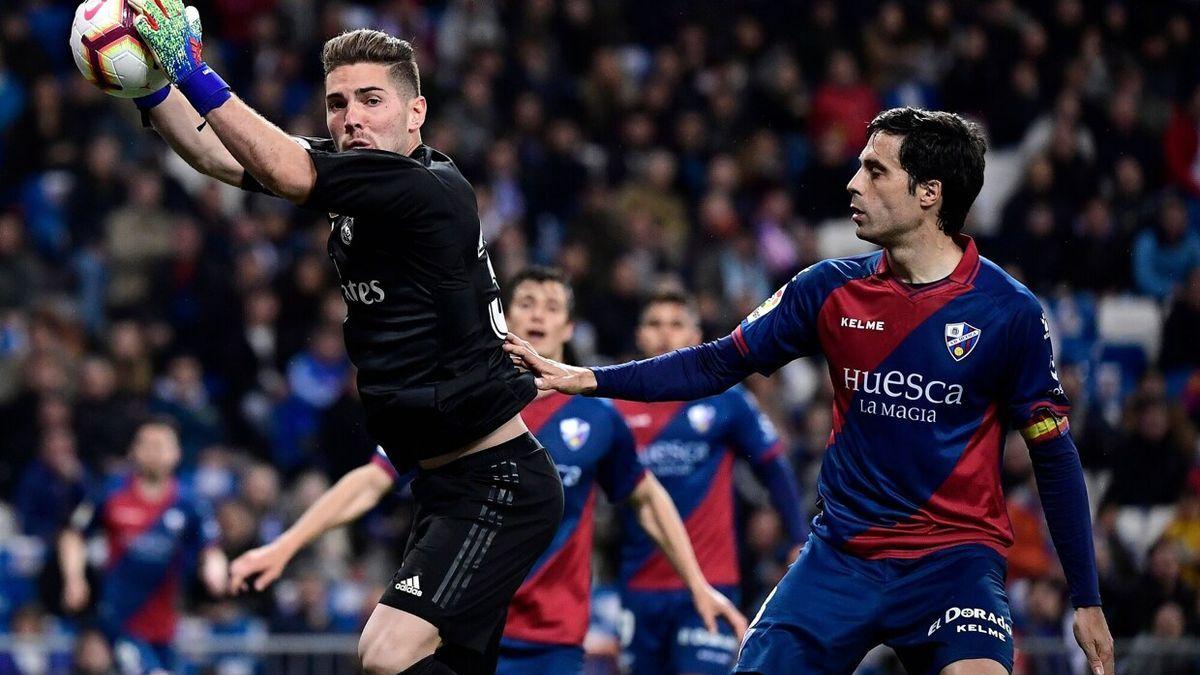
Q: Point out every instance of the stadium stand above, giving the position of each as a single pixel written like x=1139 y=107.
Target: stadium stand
x=636 y=145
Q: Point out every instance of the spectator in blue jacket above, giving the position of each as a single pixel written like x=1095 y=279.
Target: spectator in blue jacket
x=1163 y=255
x=51 y=485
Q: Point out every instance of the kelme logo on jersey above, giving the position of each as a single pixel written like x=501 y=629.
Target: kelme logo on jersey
x=961 y=339
x=701 y=417
x=574 y=432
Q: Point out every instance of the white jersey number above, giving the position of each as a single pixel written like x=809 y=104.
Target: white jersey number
x=495 y=307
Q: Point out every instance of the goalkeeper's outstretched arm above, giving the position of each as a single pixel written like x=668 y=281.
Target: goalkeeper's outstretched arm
x=194 y=140
x=173 y=33
x=174 y=118
x=355 y=494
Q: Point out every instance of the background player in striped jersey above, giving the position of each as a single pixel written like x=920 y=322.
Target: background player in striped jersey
x=690 y=448
x=155 y=530
x=934 y=353
x=590 y=444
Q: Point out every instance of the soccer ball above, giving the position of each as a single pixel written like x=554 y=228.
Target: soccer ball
x=109 y=52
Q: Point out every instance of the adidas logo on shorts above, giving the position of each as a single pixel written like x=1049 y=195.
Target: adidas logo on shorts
x=410 y=585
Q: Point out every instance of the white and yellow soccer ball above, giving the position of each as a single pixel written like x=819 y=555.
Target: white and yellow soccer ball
x=109 y=52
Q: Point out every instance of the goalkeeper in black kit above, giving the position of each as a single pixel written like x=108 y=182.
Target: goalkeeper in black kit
x=424 y=327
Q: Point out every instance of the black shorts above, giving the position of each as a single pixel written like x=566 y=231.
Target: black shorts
x=481 y=523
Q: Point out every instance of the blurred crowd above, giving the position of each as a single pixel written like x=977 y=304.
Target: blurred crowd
x=704 y=146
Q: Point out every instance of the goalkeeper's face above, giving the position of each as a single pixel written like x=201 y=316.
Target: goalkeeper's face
x=366 y=108
x=540 y=312
x=881 y=205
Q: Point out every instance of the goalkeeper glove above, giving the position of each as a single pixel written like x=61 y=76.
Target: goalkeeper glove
x=172 y=32
x=145 y=103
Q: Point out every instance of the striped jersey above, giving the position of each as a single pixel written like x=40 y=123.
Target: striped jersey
x=927 y=381
x=690 y=448
x=150 y=546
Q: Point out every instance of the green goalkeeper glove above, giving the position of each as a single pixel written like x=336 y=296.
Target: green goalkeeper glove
x=145 y=103
x=173 y=34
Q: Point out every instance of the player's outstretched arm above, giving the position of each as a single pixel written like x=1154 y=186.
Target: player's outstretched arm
x=754 y=437
x=72 y=560
x=214 y=570
x=548 y=373
x=657 y=515
x=681 y=375
x=185 y=131
x=266 y=152
x=193 y=140
x=1093 y=636
x=1063 y=494
x=1040 y=408
x=353 y=495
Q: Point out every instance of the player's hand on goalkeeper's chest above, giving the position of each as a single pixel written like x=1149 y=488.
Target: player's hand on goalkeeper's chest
x=172 y=32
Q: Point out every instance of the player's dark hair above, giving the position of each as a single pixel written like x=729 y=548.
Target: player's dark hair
x=938 y=146
x=672 y=296
x=540 y=274
x=372 y=46
x=163 y=420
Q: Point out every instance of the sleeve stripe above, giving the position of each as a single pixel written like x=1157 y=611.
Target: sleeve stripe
x=772 y=452
x=739 y=341
x=381 y=460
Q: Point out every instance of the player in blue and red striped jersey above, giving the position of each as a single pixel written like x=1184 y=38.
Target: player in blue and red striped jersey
x=155 y=531
x=934 y=352
x=690 y=447
x=590 y=444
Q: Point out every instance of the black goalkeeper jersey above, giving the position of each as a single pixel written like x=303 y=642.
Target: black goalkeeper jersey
x=424 y=325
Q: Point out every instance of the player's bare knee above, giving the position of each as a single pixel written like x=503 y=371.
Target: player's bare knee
x=392 y=641
x=378 y=655
x=373 y=658
x=975 y=667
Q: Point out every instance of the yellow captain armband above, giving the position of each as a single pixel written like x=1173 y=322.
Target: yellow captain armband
x=1044 y=427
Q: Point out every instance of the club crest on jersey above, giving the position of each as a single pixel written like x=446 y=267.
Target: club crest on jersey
x=701 y=417
x=961 y=339
x=574 y=432
x=347 y=231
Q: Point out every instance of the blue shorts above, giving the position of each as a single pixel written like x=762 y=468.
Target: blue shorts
x=670 y=637
x=134 y=656
x=831 y=608
x=519 y=658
